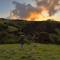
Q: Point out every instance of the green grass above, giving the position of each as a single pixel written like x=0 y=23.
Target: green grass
x=30 y=52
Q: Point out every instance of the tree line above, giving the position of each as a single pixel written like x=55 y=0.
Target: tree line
x=34 y=31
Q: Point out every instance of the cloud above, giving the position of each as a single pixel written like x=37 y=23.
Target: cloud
x=52 y=5
x=24 y=11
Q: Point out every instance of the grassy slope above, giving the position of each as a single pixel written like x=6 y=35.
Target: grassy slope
x=30 y=52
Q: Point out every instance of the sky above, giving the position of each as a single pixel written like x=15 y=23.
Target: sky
x=6 y=6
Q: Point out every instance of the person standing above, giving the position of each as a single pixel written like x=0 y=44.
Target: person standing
x=21 y=41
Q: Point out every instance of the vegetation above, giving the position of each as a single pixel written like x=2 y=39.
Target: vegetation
x=30 y=52
x=37 y=31
x=33 y=33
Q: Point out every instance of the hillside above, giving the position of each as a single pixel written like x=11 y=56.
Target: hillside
x=33 y=31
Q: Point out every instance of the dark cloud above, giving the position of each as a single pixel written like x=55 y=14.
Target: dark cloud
x=22 y=10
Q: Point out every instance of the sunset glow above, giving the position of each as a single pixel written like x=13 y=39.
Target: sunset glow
x=29 y=10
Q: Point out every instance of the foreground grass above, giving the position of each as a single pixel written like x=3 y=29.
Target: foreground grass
x=30 y=52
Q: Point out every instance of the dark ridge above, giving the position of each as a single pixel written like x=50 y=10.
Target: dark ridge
x=34 y=31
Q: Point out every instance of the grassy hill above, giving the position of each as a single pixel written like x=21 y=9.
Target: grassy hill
x=41 y=38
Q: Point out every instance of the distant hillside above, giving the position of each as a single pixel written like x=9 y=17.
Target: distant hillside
x=35 y=31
